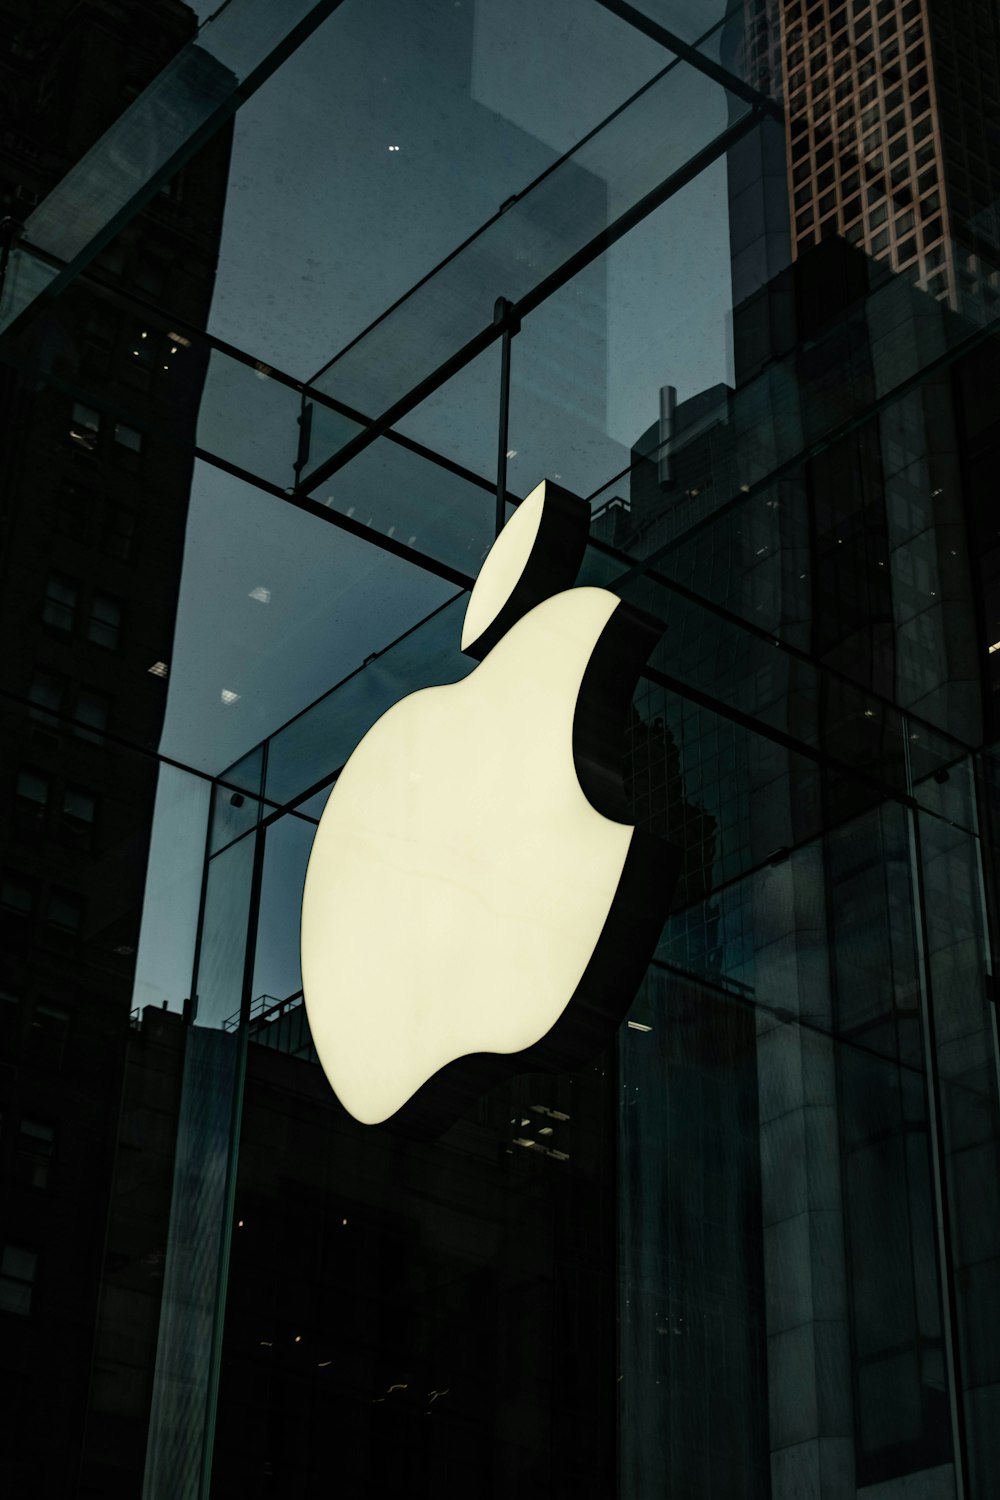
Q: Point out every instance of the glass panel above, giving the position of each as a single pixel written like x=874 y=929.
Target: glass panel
x=233 y=53
x=963 y=1033
x=276 y=968
x=316 y=744
x=589 y=365
x=236 y=806
x=803 y=1253
x=329 y=225
x=223 y=935
x=581 y=197
x=250 y=418
x=879 y=503
x=461 y=419
x=275 y=603
x=181 y=1417
x=474 y=1229
x=400 y=495
x=165 y=962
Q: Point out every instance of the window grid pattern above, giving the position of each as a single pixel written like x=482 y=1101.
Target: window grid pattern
x=863 y=134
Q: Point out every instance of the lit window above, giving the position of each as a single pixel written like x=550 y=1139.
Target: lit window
x=104 y=624
x=144 y=345
x=18 y=1267
x=85 y=426
x=59 y=608
x=35 y=1142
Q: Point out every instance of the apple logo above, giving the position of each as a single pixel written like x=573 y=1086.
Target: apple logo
x=476 y=903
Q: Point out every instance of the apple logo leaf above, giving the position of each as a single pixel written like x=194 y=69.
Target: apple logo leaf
x=476 y=902
x=537 y=554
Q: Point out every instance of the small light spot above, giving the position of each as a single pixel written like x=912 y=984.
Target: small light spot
x=227 y=696
x=158 y=669
x=261 y=594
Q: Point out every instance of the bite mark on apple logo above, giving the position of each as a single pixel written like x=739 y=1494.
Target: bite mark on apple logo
x=476 y=903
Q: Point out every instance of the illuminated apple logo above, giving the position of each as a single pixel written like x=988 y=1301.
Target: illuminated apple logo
x=476 y=902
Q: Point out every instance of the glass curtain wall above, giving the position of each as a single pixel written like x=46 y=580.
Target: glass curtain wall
x=273 y=419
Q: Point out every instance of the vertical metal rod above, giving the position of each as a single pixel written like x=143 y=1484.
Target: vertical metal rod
x=10 y=233
x=305 y=420
x=253 y=917
x=232 y=1164
x=938 y=1148
x=191 y=1005
x=503 y=313
x=668 y=419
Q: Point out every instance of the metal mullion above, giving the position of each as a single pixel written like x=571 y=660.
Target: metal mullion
x=344 y=523
x=688 y=52
x=503 y=314
x=551 y=283
x=939 y=1168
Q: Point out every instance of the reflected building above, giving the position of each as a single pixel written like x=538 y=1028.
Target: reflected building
x=856 y=560
x=95 y=502
x=889 y=133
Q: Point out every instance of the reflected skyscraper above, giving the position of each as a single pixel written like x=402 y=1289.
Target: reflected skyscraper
x=95 y=395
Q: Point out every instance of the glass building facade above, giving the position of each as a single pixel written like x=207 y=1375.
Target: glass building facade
x=298 y=303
